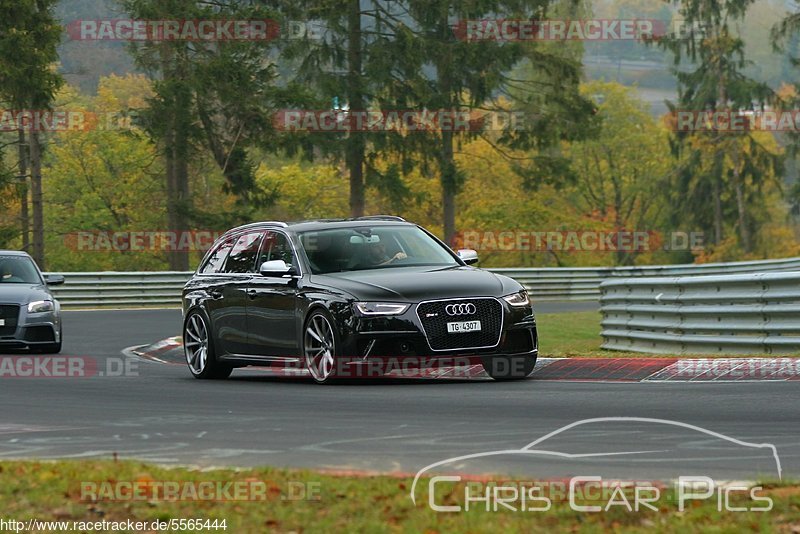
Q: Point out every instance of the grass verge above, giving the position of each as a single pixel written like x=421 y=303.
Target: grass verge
x=307 y=501
x=577 y=335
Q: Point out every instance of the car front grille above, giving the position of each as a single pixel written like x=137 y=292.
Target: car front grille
x=434 y=319
x=9 y=313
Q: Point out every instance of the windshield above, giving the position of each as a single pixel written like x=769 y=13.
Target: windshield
x=18 y=270
x=372 y=247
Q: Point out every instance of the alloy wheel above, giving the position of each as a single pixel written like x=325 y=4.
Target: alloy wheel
x=320 y=347
x=195 y=344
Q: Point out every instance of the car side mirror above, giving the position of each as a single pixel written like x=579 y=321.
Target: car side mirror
x=276 y=268
x=53 y=279
x=468 y=256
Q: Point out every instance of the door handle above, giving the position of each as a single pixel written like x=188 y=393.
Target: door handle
x=215 y=294
x=252 y=293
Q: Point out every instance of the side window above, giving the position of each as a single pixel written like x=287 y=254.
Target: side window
x=217 y=258
x=242 y=258
x=276 y=247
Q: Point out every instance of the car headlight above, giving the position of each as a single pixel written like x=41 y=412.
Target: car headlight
x=518 y=300
x=380 y=308
x=41 y=306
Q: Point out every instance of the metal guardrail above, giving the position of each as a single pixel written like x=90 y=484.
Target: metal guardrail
x=141 y=289
x=121 y=290
x=741 y=313
x=583 y=283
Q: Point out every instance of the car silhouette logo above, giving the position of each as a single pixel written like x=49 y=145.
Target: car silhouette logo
x=464 y=308
x=533 y=449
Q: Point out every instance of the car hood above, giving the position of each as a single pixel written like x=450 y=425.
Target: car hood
x=23 y=293
x=414 y=284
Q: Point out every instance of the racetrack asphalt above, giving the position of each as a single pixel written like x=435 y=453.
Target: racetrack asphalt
x=159 y=413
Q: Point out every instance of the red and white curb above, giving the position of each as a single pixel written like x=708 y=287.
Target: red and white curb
x=671 y=369
x=652 y=369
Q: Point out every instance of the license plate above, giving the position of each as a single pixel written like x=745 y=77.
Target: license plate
x=463 y=327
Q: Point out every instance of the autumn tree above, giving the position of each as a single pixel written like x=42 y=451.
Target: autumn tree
x=216 y=97
x=622 y=174
x=29 y=36
x=709 y=65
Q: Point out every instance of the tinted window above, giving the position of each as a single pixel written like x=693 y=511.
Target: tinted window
x=276 y=246
x=18 y=270
x=217 y=259
x=372 y=247
x=242 y=258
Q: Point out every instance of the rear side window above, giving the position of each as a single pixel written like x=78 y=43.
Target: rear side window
x=242 y=258
x=217 y=258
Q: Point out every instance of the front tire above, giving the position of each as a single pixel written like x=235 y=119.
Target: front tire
x=509 y=367
x=319 y=347
x=198 y=346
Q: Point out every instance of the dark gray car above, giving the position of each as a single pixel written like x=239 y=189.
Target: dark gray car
x=30 y=316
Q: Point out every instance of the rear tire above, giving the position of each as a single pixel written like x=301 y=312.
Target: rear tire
x=198 y=347
x=509 y=367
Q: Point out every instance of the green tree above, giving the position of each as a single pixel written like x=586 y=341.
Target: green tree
x=454 y=73
x=100 y=181
x=210 y=97
x=349 y=55
x=709 y=65
x=29 y=37
x=622 y=174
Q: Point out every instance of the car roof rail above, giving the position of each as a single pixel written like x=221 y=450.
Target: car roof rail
x=257 y=225
x=262 y=223
x=380 y=218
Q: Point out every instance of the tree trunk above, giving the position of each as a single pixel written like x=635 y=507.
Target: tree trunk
x=447 y=164
x=449 y=187
x=624 y=257
x=182 y=172
x=172 y=206
x=717 y=210
x=23 y=190
x=722 y=105
x=176 y=150
x=744 y=231
x=36 y=200
x=354 y=157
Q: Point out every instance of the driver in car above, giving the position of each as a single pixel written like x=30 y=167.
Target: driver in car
x=8 y=275
x=378 y=257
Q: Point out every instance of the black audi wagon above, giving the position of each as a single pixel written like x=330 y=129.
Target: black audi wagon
x=352 y=297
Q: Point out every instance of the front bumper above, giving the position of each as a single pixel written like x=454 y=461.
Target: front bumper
x=29 y=330
x=403 y=337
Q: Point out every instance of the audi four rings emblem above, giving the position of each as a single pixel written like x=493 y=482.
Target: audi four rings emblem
x=460 y=309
